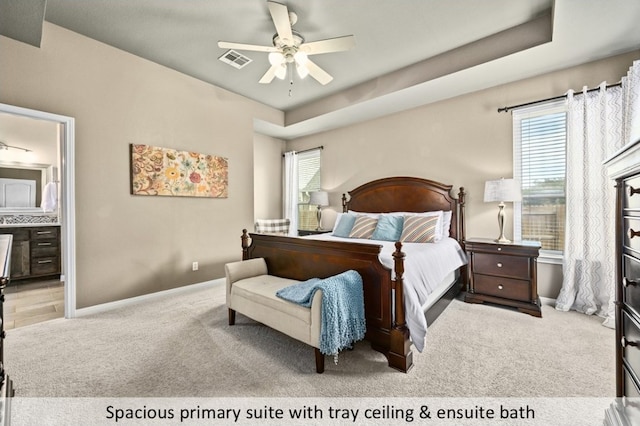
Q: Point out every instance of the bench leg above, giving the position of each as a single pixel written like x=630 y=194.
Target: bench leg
x=319 y=361
x=232 y=317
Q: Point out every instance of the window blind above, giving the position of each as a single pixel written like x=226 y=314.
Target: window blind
x=539 y=135
x=308 y=181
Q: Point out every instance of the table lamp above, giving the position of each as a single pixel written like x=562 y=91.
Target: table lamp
x=502 y=190
x=320 y=199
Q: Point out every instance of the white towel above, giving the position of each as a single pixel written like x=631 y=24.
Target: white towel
x=50 y=197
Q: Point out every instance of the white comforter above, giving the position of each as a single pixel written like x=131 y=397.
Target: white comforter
x=425 y=266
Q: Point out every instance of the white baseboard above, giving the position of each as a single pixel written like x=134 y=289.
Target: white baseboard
x=146 y=297
x=548 y=301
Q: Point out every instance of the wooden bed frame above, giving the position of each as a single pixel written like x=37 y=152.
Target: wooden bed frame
x=301 y=259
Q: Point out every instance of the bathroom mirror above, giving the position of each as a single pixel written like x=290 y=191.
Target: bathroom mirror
x=22 y=186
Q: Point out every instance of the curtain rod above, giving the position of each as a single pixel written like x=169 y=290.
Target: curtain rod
x=555 y=98
x=310 y=149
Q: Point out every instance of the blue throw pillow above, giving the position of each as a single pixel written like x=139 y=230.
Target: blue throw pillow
x=343 y=228
x=389 y=228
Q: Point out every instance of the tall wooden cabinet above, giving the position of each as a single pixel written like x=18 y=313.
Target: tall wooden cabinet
x=624 y=169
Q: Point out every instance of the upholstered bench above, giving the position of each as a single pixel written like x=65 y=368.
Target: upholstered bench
x=251 y=291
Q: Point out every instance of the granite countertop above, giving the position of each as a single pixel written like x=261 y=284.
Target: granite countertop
x=24 y=225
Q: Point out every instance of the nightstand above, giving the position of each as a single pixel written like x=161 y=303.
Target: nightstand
x=303 y=232
x=503 y=274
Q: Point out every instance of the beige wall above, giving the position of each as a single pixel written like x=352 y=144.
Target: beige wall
x=267 y=177
x=461 y=141
x=132 y=245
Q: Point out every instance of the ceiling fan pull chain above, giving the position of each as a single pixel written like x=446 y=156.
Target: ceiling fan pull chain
x=290 y=80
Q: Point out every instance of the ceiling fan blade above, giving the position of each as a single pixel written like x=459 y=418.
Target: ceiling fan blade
x=241 y=46
x=269 y=75
x=337 y=44
x=318 y=73
x=280 y=16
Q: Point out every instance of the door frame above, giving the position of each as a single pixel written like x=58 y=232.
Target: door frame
x=67 y=173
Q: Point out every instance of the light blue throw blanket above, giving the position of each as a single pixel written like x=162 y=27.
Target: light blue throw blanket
x=342 y=311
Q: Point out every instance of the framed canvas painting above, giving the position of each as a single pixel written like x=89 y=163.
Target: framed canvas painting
x=168 y=172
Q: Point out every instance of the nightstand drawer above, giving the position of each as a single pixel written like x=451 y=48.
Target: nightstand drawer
x=501 y=265
x=506 y=288
x=631 y=343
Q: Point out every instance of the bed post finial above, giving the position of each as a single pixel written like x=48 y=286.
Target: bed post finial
x=344 y=202
x=245 y=244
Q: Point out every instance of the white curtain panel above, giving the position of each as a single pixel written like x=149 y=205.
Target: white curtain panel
x=290 y=191
x=631 y=109
x=594 y=133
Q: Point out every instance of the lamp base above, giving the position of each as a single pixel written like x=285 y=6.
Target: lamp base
x=502 y=240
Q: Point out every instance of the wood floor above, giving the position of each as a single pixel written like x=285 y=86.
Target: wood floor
x=33 y=302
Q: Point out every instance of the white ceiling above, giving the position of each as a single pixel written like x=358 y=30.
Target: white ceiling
x=408 y=52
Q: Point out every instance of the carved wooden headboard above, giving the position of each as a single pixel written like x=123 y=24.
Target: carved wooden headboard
x=408 y=194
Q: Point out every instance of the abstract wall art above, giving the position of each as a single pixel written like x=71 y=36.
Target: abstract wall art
x=168 y=172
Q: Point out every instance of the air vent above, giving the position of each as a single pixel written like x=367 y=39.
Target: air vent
x=235 y=59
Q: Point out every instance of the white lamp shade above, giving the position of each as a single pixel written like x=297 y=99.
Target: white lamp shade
x=319 y=198
x=502 y=190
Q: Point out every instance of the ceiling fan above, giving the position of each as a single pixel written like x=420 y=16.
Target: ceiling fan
x=289 y=48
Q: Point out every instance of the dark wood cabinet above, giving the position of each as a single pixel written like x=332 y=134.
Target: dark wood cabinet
x=35 y=252
x=503 y=274
x=624 y=169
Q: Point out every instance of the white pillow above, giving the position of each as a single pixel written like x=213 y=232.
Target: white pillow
x=446 y=223
x=373 y=215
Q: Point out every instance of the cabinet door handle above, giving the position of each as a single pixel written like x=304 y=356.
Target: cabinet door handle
x=45 y=261
x=633 y=233
x=500 y=287
x=44 y=232
x=44 y=244
x=624 y=342
x=633 y=190
x=627 y=282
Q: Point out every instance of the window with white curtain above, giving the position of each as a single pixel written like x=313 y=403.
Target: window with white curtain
x=308 y=181
x=539 y=157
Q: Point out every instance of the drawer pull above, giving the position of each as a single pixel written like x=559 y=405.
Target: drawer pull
x=44 y=232
x=45 y=261
x=633 y=233
x=499 y=265
x=624 y=342
x=633 y=190
x=500 y=287
x=44 y=244
x=627 y=282
x=499 y=248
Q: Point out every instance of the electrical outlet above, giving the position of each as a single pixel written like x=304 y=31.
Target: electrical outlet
x=194 y=266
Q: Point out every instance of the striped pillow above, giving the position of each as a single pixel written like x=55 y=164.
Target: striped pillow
x=363 y=227
x=419 y=229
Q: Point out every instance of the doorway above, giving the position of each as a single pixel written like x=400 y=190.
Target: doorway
x=65 y=149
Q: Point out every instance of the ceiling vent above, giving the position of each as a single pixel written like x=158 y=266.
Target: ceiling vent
x=235 y=59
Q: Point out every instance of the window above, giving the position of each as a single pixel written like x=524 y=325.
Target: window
x=308 y=181
x=539 y=156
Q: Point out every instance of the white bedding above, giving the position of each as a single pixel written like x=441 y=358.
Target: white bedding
x=425 y=267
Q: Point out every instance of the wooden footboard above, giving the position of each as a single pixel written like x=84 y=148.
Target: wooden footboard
x=301 y=259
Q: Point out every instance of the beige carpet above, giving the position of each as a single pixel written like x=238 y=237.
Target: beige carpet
x=181 y=346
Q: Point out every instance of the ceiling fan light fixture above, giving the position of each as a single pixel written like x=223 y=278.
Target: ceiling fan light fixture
x=276 y=58
x=303 y=71
x=281 y=71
